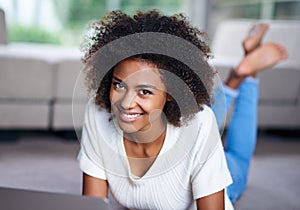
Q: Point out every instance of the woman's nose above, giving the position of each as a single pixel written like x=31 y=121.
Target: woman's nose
x=128 y=100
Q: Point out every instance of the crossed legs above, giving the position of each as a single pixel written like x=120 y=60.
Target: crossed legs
x=242 y=87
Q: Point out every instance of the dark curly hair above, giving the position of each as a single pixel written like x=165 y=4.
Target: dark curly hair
x=198 y=83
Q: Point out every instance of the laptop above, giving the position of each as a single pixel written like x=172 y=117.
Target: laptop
x=17 y=199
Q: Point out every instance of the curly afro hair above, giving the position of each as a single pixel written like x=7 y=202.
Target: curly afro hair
x=197 y=88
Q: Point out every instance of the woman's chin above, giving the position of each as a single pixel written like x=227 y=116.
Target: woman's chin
x=127 y=127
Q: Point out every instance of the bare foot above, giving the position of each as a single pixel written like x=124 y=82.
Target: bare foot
x=254 y=37
x=263 y=57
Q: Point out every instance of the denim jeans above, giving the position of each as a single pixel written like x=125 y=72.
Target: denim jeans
x=241 y=134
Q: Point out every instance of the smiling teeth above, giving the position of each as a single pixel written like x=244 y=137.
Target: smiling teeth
x=131 y=116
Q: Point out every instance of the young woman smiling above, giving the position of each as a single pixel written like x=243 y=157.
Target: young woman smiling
x=150 y=139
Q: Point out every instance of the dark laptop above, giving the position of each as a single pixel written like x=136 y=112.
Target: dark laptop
x=16 y=199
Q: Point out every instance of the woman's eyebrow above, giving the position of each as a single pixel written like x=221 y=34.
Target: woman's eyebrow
x=147 y=86
x=116 y=78
x=141 y=86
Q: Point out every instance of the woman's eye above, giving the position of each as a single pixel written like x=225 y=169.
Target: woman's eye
x=145 y=92
x=118 y=85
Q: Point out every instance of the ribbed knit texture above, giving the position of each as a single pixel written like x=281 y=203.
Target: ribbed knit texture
x=191 y=157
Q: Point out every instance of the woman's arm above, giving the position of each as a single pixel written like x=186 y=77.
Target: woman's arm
x=94 y=187
x=212 y=202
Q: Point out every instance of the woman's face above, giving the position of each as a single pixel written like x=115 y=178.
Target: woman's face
x=137 y=95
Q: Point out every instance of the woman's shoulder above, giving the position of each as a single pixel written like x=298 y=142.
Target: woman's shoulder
x=205 y=115
x=203 y=118
x=206 y=123
x=100 y=121
x=93 y=108
x=96 y=114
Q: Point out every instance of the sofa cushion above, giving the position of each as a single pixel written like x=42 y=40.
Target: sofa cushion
x=24 y=115
x=227 y=42
x=68 y=115
x=25 y=78
x=69 y=78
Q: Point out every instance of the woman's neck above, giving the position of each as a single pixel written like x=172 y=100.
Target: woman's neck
x=144 y=144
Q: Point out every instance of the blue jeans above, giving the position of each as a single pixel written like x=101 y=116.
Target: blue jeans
x=241 y=132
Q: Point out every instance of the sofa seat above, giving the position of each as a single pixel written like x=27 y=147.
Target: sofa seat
x=42 y=86
x=70 y=96
x=30 y=83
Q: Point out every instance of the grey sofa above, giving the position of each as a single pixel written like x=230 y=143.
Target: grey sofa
x=36 y=86
x=37 y=82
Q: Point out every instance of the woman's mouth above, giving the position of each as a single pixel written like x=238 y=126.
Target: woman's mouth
x=129 y=117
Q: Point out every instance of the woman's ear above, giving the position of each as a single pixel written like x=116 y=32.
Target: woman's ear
x=169 y=98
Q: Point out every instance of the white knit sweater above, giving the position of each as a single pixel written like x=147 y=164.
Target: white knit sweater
x=190 y=165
